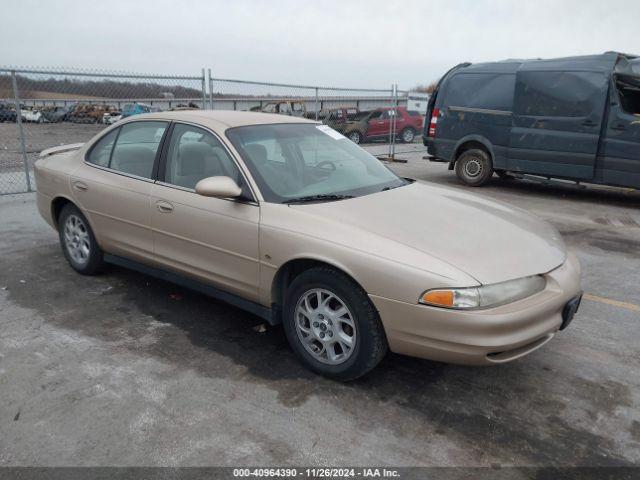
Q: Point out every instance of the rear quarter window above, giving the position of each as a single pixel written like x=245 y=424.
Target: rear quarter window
x=490 y=91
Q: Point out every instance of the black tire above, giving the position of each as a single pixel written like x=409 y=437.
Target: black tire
x=474 y=167
x=408 y=135
x=371 y=342
x=94 y=262
x=355 y=136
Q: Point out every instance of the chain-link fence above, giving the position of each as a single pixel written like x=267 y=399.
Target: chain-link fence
x=364 y=115
x=42 y=108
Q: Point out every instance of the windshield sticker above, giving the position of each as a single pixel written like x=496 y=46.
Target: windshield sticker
x=330 y=131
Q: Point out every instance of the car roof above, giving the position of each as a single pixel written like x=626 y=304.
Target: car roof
x=222 y=119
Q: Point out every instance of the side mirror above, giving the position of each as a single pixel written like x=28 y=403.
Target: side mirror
x=219 y=187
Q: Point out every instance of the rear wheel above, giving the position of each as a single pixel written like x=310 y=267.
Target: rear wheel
x=474 y=167
x=355 y=136
x=78 y=242
x=332 y=326
x=408 y=135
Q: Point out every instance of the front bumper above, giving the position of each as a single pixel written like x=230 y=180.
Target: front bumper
x=481 y=337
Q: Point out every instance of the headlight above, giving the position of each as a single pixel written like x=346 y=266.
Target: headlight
x=485 y=295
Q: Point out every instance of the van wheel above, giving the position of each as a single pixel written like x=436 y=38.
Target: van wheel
x=474 y=167
x=332 y=325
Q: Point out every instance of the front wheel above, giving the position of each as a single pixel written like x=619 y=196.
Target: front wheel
x=78 y=242
x=474 y=167
x=332 y=325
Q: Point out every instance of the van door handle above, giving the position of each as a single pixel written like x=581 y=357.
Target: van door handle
x=589 y=123
x=619 y=127
x=80 y=186
x=164 y=207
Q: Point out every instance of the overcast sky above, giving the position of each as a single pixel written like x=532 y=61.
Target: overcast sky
x=339 y=43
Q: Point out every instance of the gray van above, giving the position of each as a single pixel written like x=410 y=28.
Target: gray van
x=575 y=118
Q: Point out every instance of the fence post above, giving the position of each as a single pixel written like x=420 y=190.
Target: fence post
x=316 y=107
x=394 y=122
x=204 y=91
x=391 y=126
x=16 y=99
x=210 y=89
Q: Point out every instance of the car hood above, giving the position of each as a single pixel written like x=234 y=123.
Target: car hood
x=488 y=240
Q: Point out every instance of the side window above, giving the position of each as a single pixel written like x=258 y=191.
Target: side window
x=628 y=89
x=376 y=115
x=136 y=148
x=195 y=154
x=490 y=91
x=101 y=151
x=559 y=94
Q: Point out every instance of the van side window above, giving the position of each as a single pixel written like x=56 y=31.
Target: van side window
x=558 y=94
x=628 y=88
x=490 y=91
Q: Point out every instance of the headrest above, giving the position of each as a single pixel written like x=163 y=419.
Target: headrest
x=256 y=152
x=193 y=158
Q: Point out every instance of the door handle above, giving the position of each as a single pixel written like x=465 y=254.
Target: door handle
x=619 y=127
x=164 y=207
x=589 y=123
x=80 y=186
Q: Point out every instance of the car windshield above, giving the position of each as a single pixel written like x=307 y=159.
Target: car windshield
x=309 y=162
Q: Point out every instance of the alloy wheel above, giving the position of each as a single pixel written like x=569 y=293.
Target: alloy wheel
x=76 y=239
x=325 y=326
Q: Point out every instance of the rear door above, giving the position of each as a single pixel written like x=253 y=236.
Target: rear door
x=113 y=187
x=556 y=123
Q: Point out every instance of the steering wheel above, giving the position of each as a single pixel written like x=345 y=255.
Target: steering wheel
x=326 y=162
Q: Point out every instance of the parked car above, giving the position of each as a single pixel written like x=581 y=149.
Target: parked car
x=31 y=115
x=111 y=117
x=87 y=113
x=379 y=123
x=339 y=118
x=131 y=109
x=575 y=118
x=294 y=108
x=7 y=112
x=57 y=114
x=288 y=219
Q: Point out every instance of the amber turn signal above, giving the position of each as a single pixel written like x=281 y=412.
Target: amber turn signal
x=441 y=298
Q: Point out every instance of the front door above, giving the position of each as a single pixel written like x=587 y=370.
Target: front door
x=211 y=239
x=114 y=186
x=556 y=123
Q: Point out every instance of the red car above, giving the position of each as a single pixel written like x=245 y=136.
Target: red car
x=378 y=124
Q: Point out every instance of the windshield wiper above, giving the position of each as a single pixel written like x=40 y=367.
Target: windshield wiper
x=319 y=197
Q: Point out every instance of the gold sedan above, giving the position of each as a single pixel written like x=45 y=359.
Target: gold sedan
x=293 y=222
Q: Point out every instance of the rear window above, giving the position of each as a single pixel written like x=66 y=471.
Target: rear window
x=489 y=91
x=559 y=94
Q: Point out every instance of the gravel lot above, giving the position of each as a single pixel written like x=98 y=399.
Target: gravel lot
x=122 y=369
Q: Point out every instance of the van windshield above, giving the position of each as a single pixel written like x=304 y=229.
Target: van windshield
x=293 y=162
